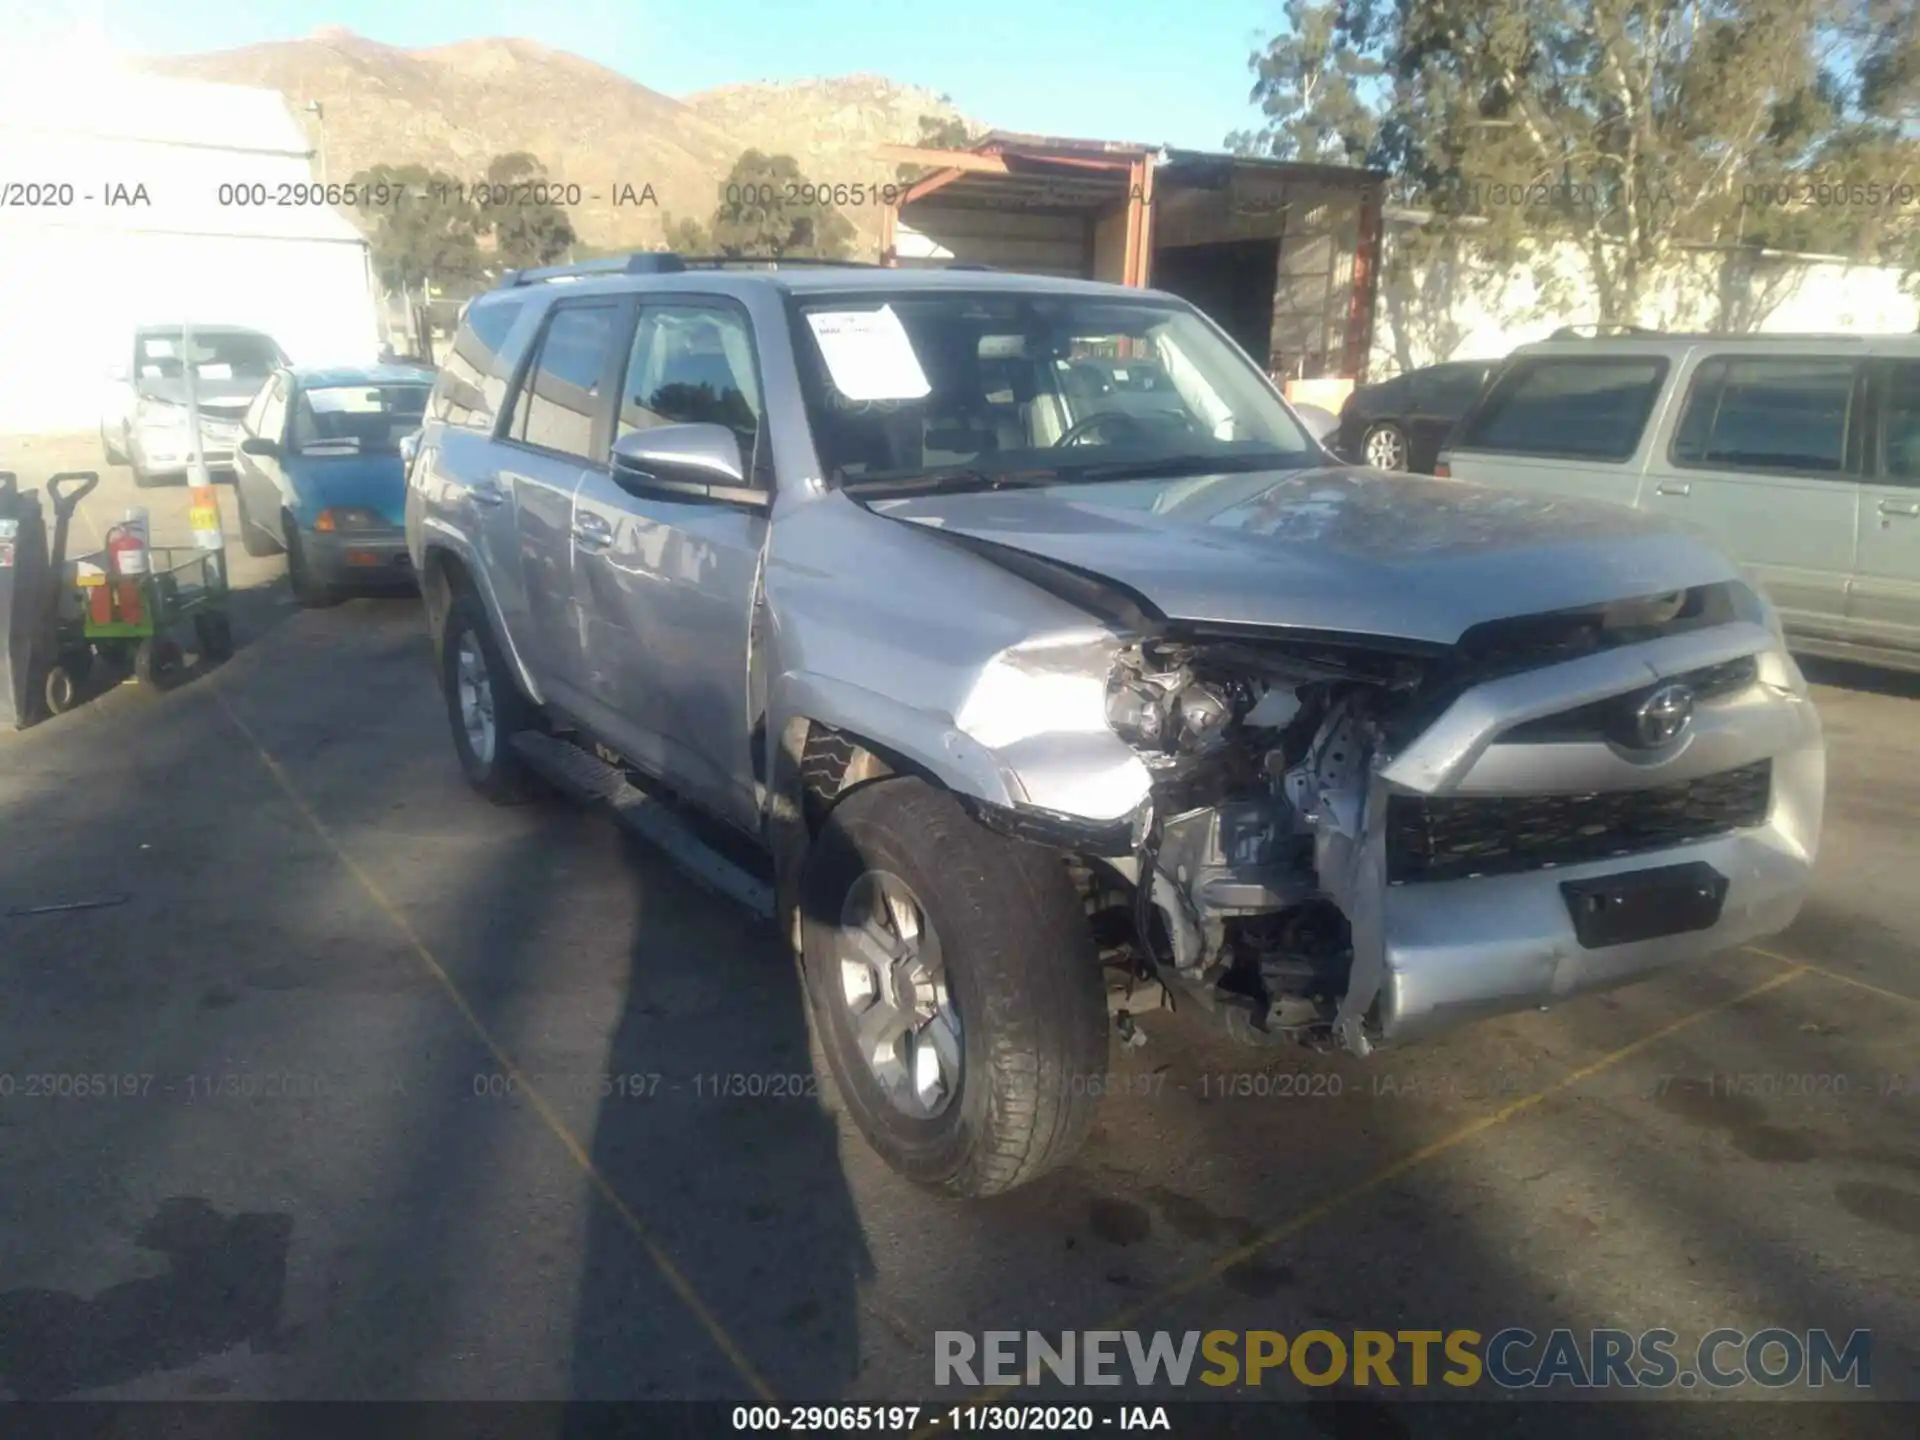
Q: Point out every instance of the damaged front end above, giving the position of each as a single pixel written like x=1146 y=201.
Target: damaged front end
x=1256 y=875
x=1350 y=840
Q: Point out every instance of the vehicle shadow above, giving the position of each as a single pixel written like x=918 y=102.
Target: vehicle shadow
x=712 y=1128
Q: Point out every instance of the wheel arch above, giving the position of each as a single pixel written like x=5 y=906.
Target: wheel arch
x=448 y=572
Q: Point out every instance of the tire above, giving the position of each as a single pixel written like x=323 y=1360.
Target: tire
x=156 y=660
x=1384 y=447
x=488 y=761
x=116 y=454
x=215 y=633
x=1022 y=986
x=62 y=690
x=255 y=541
x=308 y=591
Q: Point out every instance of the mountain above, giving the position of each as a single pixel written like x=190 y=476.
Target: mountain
x=455 y=107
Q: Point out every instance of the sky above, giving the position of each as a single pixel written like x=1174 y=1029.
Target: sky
x=1154 y=71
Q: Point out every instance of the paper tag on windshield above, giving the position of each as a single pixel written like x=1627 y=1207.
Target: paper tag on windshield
x=868 y=354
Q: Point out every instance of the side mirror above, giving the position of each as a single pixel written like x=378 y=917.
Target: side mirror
x=260 y=445
x=409 y=447
x=696 y=461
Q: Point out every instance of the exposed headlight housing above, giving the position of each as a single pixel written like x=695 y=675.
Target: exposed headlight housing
x=1043 y=687
x=1166 y=712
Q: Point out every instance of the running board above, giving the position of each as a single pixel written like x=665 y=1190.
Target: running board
x=592 y=781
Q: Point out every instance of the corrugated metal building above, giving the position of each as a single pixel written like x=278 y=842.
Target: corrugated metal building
x=1284 y=257
x=136 y=199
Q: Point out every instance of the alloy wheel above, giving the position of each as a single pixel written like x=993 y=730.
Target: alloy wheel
x=893 y=982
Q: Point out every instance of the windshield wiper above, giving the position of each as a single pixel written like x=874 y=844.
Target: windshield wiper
x=947 y=482
x=1171 y=467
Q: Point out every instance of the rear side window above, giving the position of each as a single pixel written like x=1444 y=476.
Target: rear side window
x=461 y=395
x=560 y=397
x=1901 y=422
x=1585 y=408
x=1767 y=414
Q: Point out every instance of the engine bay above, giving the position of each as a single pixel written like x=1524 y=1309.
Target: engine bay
x=1261 y=758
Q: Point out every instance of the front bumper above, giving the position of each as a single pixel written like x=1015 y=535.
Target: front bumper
x=1461 y=950
x=366 y=559
x=171 y=454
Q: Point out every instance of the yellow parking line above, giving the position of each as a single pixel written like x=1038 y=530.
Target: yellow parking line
x=1836 y=975
x=668 y=1270
x=1391 y=1172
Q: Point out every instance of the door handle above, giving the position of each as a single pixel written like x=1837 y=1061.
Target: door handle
x=487 y=492
x=1900 y=507
x=592 y=530
x=1674 y=487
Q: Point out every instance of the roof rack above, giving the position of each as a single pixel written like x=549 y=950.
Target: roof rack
x=666 y=262
x=640 y=262
x=1575 y=332
x=1594 y=332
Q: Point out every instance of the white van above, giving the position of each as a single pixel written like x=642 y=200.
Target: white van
x=1799 y=453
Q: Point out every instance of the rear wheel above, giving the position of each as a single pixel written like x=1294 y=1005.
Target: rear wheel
x=484 y=705
x=954 y=989
x=116 y=449
x=156 y=661
x=307 y=588
x=1385 y=447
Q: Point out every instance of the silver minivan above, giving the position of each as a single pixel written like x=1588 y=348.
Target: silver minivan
x=1799 y=454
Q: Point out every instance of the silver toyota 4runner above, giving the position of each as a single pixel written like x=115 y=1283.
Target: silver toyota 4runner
x=1045 y=702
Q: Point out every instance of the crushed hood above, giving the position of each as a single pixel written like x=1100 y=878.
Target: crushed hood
x=1362 y=552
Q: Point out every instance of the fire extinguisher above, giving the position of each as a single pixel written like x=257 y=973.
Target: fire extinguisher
x=127 y=564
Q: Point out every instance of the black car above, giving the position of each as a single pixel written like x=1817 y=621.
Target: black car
x=1402 y=423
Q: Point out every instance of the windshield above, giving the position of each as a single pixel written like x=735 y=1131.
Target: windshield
x=915 y=384
x=218 y=355
x=357 y=419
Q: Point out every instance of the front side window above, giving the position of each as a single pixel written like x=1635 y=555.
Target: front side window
x=909 y=383
x=273 y=416
x=560 y=395
x=692 y=364
x=256 y=410
x=1767 y=414
x=1589 y=408
x=365 y=419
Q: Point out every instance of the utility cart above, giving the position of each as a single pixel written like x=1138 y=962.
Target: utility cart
x=121 y=604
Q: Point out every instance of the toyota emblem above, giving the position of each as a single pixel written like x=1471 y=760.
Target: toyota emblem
x=1663 y=716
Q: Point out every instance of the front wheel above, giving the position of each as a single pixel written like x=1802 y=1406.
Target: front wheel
x=955 y=990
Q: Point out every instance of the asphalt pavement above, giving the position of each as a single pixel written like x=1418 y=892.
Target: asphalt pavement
x=359 y=1088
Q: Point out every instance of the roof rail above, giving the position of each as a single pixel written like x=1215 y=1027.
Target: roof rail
x=1594 y=332
x=717 y=262
x=640 y=262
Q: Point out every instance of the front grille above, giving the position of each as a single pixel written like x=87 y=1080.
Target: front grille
x=1457 y=837
x=1612 y=718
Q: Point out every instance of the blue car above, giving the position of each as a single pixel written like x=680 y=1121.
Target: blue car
x=319 y=475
